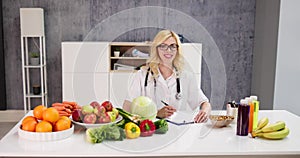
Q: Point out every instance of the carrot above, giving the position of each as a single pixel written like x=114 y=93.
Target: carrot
x=70 y=102
x=59 y=108
x=68 y=115
x=67 y=105
x=68 y=111
x=71 y=108
x=63 y=113
x=57 y=104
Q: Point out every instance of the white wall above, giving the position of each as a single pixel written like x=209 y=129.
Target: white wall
x=265 y=52
x=287 y=77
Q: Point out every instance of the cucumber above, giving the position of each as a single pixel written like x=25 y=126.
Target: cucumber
x=128 y=117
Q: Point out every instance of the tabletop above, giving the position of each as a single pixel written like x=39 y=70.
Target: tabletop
x=188 y=140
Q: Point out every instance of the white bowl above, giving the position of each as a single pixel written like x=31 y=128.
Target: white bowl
x=46 y=136
x=221 y=120
x=86 y=125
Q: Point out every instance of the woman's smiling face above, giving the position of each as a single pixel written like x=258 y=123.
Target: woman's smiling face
x=167 y=51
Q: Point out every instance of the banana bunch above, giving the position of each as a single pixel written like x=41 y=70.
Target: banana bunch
x=277 y=130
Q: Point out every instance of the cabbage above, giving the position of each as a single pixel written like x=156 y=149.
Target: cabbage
x=144 y=107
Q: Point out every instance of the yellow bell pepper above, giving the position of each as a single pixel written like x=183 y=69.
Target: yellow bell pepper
x=132 y=130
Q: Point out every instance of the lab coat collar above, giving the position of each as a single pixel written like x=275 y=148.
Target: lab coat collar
x=161 y=79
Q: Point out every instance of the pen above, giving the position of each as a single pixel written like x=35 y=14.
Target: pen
x=165 y=103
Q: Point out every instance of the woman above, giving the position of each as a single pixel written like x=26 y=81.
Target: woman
x=164 y=79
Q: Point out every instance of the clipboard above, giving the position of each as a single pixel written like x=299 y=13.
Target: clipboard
x=181 y=118
x=182 y=123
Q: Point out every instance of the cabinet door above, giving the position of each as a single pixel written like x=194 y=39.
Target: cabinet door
x=119 y=82
x=192 y=53
x=85 y=57
x=85 y=87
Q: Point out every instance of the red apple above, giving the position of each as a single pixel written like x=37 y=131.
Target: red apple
x=104 y=118
x=90 y=118
x=99 y=110
x=108 y=105
x=77 y=115
x=94 y=104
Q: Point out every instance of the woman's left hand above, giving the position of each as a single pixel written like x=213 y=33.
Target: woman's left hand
x=202 y=116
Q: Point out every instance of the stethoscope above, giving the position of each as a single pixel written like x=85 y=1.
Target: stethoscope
x=178 y=95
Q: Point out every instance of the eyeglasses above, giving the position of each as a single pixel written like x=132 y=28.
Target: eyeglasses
x=165 y=47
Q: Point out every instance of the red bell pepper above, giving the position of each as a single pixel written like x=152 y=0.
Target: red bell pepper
x=147 y=128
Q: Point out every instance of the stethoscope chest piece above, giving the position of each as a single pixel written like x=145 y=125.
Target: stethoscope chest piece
x=178 y=96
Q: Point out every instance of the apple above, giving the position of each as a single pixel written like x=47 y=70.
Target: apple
x=90 y=118
x=112 y=115
x=87 y=109
x=104 y=118
x=99 y=110
x=94 y=104
x=77 y=115
x=108 y=105
x=116 y=112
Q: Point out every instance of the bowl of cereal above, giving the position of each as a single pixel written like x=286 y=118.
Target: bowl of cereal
x=221 y=120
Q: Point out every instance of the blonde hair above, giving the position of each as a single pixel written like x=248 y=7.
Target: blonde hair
x=154 y=59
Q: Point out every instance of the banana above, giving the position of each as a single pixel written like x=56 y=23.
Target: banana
x=262 y=123
x=276 y=134
x=273 y=127
x=268 y=128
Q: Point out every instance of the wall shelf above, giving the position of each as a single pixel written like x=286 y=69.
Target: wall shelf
x=132 y=55
x=31 y=95
x=129 y=58
x=34 y=66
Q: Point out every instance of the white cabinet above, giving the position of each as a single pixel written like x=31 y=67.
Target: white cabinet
x=85 y=68
x=87 y=57
x=88 y=69
x=119 y=82
x=85 y=87
x=192 y=53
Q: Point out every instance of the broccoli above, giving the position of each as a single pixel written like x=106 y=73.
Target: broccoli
x=105 y=132
x=161 y=126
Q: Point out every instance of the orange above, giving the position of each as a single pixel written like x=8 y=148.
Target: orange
x=67 y=119
x=28 y=118
x=51 y=115
x=62 y=124
x=38 y=111
x=29 y=125
x=43 y=126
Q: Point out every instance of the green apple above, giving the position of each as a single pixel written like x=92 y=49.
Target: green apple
x=112 y=116
x=87 y=109
x=116 y=112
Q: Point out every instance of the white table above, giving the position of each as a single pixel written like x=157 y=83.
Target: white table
x=199 y=140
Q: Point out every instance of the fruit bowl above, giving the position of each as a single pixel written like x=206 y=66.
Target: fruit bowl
x=221 y=120
x=46 y=136
x=86 y=125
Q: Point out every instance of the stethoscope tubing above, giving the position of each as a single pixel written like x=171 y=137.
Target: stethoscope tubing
x=177 y=95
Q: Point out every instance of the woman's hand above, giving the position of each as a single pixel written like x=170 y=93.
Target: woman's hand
x=166 y=111
x=203 y=114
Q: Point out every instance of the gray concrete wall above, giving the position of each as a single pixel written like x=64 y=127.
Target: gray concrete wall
x=230 y=23
x=2 y=68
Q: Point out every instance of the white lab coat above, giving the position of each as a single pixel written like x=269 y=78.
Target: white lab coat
x=192 y=96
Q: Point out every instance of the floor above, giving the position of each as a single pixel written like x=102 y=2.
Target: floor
x=8 y=119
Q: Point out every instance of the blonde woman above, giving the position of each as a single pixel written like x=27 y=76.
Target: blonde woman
x=164 y=79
